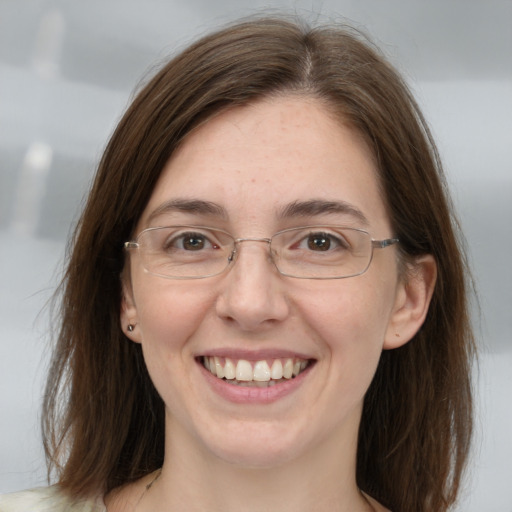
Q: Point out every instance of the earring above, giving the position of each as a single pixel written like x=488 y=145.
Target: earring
x=131 y=327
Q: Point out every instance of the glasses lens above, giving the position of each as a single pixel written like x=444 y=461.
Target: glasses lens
x=322 y=252
x=185 y=252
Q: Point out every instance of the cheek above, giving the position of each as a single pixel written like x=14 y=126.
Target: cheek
x=169 y=313
x=349 y=319
x=354 y=309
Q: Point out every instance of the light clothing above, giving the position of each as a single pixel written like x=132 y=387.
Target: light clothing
x=51 y=499
x=47 y=499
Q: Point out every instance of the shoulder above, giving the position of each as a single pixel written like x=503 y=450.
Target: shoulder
x=46 y=499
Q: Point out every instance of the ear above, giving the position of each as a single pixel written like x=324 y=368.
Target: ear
x=129 y=316
x=411 y=302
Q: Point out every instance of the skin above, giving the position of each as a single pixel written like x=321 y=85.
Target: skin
x=296 y=453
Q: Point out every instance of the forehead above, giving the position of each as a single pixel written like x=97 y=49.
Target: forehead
x=257 y=160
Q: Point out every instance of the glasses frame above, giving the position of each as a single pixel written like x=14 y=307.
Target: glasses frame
x=375 y=244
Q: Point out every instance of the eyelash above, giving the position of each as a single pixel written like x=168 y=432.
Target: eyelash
x=339 y=241
x=181 y=238
x=306 y=240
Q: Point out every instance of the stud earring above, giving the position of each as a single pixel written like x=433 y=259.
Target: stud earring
x=131 y=327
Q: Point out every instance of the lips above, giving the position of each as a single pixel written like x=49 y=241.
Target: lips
x=260 y=373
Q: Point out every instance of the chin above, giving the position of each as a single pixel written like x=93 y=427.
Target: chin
x=256 y=457
x=256 y=445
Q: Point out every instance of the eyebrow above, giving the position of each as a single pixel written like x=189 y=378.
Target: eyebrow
x=316 y=207
x=310 y=208
x=195 y=206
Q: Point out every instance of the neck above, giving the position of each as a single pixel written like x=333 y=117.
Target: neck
x=322 y=479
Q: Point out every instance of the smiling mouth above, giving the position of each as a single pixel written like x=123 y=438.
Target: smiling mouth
x=262 y=374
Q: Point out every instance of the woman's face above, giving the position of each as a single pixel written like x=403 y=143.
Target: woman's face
x=245 y=171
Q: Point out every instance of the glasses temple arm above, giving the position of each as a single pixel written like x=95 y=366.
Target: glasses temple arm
x=381 y=244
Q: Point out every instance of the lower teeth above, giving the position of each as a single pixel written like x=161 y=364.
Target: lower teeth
x=254 y=383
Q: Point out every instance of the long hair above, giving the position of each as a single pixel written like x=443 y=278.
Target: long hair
x=103 y=421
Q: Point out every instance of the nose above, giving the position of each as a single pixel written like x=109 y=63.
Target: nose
x=252 y=294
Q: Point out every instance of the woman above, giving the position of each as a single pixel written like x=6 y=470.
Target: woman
x=265 y=305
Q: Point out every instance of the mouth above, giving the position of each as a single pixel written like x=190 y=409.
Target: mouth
x=260 y=374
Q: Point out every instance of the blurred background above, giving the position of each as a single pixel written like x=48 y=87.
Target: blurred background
x=68 y=69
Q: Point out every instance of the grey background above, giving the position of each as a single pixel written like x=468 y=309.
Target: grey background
x=67 y=72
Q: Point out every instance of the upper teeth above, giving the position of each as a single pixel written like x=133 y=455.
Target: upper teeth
x=260 y=371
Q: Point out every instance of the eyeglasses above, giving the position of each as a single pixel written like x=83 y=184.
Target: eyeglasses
x=309 y=252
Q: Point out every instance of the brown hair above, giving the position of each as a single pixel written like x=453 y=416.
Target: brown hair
x=103 y=420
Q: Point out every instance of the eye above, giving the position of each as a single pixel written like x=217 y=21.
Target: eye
x=193 y=242
x=319 y=242
x=322 y=242
x=190 y=241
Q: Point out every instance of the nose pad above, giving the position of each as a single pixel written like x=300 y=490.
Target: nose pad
x=231 y=257
x=234 y=253
x=252 y=295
